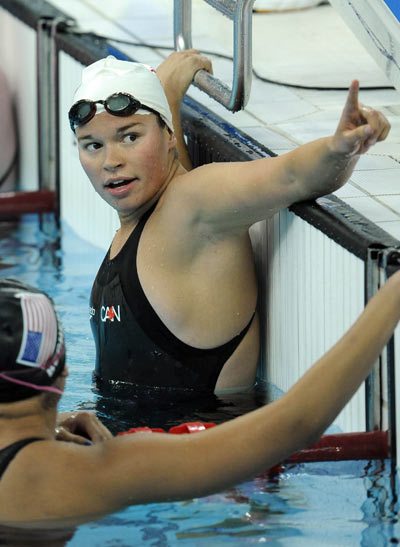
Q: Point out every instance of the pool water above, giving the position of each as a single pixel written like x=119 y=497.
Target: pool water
x=319 y=504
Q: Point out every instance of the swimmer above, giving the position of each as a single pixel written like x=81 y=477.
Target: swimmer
x=19 y=302
x=174 y=302
x=45 y=482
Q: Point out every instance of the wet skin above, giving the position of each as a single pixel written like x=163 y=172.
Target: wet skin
x=131 y=164
x=134 y=151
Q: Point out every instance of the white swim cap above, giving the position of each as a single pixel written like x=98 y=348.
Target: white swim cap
x=110 y=75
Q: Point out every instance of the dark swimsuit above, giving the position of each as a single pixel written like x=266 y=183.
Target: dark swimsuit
x=8 y=453
x=132 y=343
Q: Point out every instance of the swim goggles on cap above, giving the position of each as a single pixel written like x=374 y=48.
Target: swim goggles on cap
x=117 y=104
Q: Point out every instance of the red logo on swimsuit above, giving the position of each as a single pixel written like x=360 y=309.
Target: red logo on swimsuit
x=110 y=313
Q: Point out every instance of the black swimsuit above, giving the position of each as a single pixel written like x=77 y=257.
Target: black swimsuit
x=8 y=453
x=133 y=345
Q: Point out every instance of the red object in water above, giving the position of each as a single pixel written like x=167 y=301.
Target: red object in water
x=366 y=445
x=18 y=203
x=190 y=427
x=141 y=429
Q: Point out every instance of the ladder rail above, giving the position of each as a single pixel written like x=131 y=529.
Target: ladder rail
x=240 y=12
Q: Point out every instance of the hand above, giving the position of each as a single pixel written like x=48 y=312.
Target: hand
x=178 y=70
x=81 y=427
x=360 y=126
x=176 y=73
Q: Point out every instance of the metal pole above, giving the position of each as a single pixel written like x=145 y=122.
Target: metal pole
x=240 y=12
x=373 y=382
x=43 y=97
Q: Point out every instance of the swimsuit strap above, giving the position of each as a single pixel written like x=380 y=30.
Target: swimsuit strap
x=133 y=239
x=9 y=453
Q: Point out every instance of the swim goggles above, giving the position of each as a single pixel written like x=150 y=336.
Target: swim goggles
x=117 y=104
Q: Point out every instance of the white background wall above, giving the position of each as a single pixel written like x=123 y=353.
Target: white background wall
x=88 y=215
x=312 y=290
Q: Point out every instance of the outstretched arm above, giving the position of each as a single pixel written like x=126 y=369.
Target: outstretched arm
x=228 y=196
x=256 y=441
x=151 y=467
x=176 y=74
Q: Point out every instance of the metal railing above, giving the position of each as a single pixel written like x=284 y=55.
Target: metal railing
x=380 y=384
x=240 y=12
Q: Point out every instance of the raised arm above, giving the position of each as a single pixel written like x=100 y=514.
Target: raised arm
x=233 y=195
x=176 y=74
x=325 y=165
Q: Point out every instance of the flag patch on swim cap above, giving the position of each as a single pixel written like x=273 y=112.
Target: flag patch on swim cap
x=31 y=342
x=39 y=335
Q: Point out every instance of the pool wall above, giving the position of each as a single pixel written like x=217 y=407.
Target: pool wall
x=318 y=262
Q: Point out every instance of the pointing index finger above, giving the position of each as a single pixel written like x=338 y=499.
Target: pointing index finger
x=352 y=97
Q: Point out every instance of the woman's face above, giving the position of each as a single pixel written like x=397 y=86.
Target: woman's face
x=127 y=159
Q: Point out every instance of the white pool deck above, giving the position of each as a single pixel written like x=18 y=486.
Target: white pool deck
x=312 y=47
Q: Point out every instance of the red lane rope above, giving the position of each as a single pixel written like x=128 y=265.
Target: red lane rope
x=40 y=201
x=368 y=445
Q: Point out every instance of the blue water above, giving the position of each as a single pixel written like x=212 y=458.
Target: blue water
x=310 y=505
x=394 y=5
